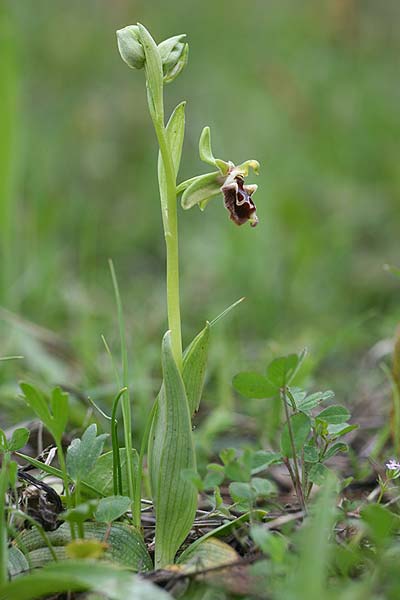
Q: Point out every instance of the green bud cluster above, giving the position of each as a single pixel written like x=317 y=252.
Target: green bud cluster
x=173 y=52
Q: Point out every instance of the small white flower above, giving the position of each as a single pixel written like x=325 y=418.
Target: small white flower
x=392 y=465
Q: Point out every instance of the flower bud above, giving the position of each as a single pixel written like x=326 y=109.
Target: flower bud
x=130 y=47
x=174 y=56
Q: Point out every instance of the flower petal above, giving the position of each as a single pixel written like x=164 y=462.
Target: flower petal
x=201 y=189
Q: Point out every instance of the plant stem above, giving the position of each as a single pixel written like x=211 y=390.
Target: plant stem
x=65 y=478
x=137 y=502
x=170 y=223
x=81 y=531
x=299 y=489
x=126 y=402
x=3 y=527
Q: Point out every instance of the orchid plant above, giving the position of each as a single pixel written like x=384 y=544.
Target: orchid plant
x=170 y=442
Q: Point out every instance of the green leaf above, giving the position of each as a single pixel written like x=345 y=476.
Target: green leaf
x=56 y=419
x=222 y=531
x=194 y=367
x=318 y=474
x=213 y=479
x=36 y=401
x=201 y=190
x=211 y=553
x=281 y=370
x=101 y=476
x=311 y=454
x=236 y=471
x=334 y=415
x=17 y=562
x=154 y=72
x=335 y=449
x=82 y=454
x=381 y=522
x=301 y=426
x=111 y=508
x=74 y=576
x=271 y=543
x=59 y=407
x=262 y=487
x=3 y=441
x=309 y=402
x=171 y=451
x=240 y=491
x=262 y=459
x=81 y=512
x=19 y=439
x=253 y=385
x=336 y=431
x=227 y=455
x=175 y=134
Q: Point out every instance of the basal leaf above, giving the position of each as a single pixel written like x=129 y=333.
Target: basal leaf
x=171 y=451
x=210 y=553
x=69 y=576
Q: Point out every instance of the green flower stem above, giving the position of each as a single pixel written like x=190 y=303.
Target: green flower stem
x=170 y=223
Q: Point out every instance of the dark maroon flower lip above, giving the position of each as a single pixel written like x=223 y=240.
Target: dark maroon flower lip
x=238 y=201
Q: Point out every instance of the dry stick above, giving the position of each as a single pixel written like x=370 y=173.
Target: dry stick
x=297 y=482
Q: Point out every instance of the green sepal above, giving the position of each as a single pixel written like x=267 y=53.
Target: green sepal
x=174 y=56
x=194 y=367
x=201 y=190
x=171 y=451
x=179 y=65
x=130 y=48
x=170 y=49
x=206 y=154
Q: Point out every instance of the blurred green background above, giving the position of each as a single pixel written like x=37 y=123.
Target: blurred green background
x=309 y=88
